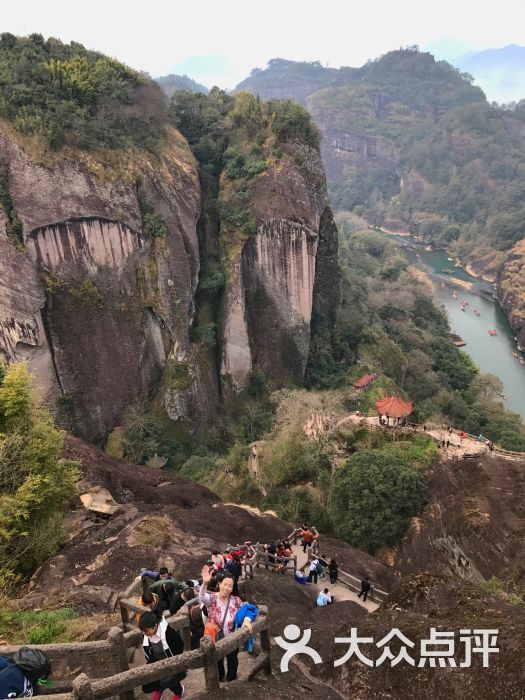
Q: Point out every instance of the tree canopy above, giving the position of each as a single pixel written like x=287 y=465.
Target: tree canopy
x=67 y=95
x=372 y=498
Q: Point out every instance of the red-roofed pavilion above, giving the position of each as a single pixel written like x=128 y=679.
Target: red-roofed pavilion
x=365 y=381
x=394 y=407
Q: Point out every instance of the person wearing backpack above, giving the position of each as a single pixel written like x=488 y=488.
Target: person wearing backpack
x=19 y=676
x=161 y=642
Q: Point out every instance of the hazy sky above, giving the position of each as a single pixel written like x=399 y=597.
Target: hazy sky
x=220 y=42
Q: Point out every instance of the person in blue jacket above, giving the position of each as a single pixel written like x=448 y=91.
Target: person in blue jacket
x=13 y=683
x=249 y=612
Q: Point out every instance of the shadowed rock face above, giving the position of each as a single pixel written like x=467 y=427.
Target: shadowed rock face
x=94 y=304
x=279 y=271
x=273 y=278
x=105 y=341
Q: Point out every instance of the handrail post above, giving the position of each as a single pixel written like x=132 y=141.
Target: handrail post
x=265 y=639
x=295 y=564
x=120 y=652
x=82 y=689
x=211 y=671
x=124 y=614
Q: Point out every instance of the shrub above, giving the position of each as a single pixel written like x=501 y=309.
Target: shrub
x=154 y=225
x=290 y=121
x=206 y=334
x=198 y=468
x=372 y=498
x=35 y=484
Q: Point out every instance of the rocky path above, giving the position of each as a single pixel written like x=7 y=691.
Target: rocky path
x=339 y=591
x=459 y=447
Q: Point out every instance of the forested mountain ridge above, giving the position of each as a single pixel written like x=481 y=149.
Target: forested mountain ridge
x=113 y=287
x=410 y=144
x=172 y=82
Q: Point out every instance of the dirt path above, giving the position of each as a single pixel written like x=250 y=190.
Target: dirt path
x=339 y=591
x=458 y=448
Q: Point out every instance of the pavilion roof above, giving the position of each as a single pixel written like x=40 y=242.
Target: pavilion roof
x=364 y=380
x=394 y=407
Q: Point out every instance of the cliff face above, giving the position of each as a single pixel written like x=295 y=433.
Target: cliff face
x=472 y=525
x=272 y=274
x=511 y=290
x=100 y=308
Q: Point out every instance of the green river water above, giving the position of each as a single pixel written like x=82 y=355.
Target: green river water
x=491 y=354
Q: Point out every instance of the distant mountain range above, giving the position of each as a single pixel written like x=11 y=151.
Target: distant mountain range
x=500 y=73
x=170 y=83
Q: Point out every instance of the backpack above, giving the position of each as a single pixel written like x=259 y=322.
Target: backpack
x=33 y=663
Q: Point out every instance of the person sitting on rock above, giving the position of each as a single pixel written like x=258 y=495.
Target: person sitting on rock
x=161 y=642
x=324 y=598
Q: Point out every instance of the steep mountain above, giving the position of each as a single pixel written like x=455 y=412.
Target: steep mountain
x=410 y=144
x=171 y=83
x=282 y=78
x=100 y=221
x=268 y=231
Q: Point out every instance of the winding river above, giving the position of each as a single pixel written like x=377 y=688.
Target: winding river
x=492 y=354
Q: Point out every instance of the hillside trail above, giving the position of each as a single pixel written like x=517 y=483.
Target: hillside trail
x=194 y=682
x=339 y=591
x=459 y=447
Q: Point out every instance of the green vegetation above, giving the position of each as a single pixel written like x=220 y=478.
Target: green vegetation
x=388 y=323
x=500 y=589
x=461 y=159
x=35 y=484
x=13 y=224
x=35 y=627
x=373 y=497
x=66 y=95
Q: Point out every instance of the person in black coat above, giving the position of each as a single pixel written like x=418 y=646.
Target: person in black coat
x=333 y=570
x=180 y=599
x=234 y=569
x=161 y=642
x=365 y=588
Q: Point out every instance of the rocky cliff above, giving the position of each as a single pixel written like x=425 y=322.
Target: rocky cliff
x=98 y=305
x=274 y=273
x=511 y=290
